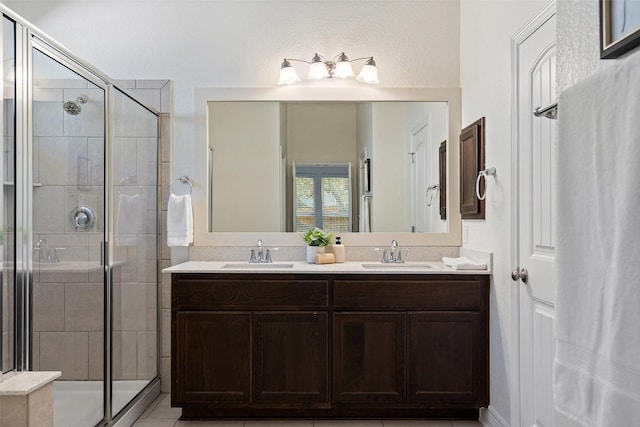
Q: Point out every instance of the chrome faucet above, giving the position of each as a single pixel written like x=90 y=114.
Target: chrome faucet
x=260 y=256
x=43 y=250
x=393 y=254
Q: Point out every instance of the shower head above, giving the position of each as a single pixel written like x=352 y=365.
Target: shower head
x=73 y=107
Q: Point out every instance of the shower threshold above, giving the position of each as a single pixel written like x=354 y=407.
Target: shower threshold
x=80 y=403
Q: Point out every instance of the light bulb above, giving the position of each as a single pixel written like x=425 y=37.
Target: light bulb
x=343 y=67
x=369 y=73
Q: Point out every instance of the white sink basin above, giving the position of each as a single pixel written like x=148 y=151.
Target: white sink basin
x=257 y=266
x=384 y=266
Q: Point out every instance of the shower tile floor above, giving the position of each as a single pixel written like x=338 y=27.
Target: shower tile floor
x=68 y=412
x=161 y=414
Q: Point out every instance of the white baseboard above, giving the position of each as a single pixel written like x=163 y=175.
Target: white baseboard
x=489 y=417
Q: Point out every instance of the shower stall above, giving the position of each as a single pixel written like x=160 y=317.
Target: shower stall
x=80 y=231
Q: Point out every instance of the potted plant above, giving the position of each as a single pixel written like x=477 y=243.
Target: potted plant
x=316 y=239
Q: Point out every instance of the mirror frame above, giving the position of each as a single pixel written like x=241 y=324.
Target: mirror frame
x=201 y=190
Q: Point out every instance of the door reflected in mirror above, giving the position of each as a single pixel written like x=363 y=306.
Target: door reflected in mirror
x=342 y=166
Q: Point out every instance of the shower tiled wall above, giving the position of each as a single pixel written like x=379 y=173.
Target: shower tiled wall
x=68 y=306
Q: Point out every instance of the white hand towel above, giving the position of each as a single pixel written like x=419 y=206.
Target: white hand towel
x=463 y=263
x=597 y=362
x=128 y=219
x=179 y=221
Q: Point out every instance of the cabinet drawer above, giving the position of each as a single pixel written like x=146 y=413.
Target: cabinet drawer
x=390 y=294
x=206 y=291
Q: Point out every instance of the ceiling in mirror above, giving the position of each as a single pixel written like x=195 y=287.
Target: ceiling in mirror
x=339 y=165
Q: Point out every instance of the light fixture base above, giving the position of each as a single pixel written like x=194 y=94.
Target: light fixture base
x=331 y=67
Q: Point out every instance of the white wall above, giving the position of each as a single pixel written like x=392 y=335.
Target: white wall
x=242 y=43
x=485 y=77
x=245 y=137
x=436 y=115
x=390 y=204
x=321 y=132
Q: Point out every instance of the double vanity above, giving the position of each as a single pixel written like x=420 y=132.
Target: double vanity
x=342 y=340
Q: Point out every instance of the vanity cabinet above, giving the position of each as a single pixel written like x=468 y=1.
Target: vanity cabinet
x=411 y=340
x=329 y=345
x=241 y=340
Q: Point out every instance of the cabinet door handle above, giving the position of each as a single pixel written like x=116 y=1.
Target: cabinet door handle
x=520 y=274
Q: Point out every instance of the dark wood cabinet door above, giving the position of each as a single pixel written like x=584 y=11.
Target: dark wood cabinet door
x=290 y=353
x=369 y=357
x=212 y=357
x=471 y=162
x=445 y=365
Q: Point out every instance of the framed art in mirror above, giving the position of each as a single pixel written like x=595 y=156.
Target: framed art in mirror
x=471 y=163
x=619 y=27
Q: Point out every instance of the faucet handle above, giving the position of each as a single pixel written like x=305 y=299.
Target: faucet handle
x=55 y=254
x=399 y=258
x=267 y=258
x=252 y=257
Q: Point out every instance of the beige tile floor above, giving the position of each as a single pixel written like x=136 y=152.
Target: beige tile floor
x=161 y=414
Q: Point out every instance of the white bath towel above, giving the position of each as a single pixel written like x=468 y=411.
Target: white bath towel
x=463 y=263
x=128 y=219
x=179 y=221
x=597 y=362
x=365 y=214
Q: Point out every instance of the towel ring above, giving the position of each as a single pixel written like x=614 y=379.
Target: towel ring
x=128 y=180
x=431 y=191
x=484 y=173
x=185 y=180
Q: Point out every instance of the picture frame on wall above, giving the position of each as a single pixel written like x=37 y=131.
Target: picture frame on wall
x=619 y=27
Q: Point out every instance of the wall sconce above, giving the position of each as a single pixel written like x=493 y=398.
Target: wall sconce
x=319 y=68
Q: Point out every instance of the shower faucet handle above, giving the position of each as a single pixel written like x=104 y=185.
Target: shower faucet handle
x=55 y=254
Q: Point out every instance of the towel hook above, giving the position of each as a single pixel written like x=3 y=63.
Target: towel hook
x=484 y=173
x=185 y=180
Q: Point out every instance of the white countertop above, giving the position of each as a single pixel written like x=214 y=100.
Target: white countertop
x=297 y=267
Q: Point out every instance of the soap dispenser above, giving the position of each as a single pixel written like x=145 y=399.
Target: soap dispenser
x=338 y=250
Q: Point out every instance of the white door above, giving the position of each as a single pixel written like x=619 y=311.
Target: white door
x=420 y=178
x=534 y=241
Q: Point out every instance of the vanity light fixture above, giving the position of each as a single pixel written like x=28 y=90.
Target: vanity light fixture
x=320 y=68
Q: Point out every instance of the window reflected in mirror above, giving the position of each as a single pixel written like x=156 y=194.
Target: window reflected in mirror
x=322 y=197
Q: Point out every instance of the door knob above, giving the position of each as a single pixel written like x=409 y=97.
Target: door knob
x=520 y=273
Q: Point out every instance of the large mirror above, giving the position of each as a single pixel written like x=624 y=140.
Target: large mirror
x=368 y=164
x=341 y=166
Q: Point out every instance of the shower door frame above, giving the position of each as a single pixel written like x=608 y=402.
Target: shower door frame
x=27 y=39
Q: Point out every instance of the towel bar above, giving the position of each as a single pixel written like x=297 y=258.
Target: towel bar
x=549 y=111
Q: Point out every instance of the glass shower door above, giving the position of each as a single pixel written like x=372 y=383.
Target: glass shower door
x=68 y=230
x=8 y=200
x=134 y=247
